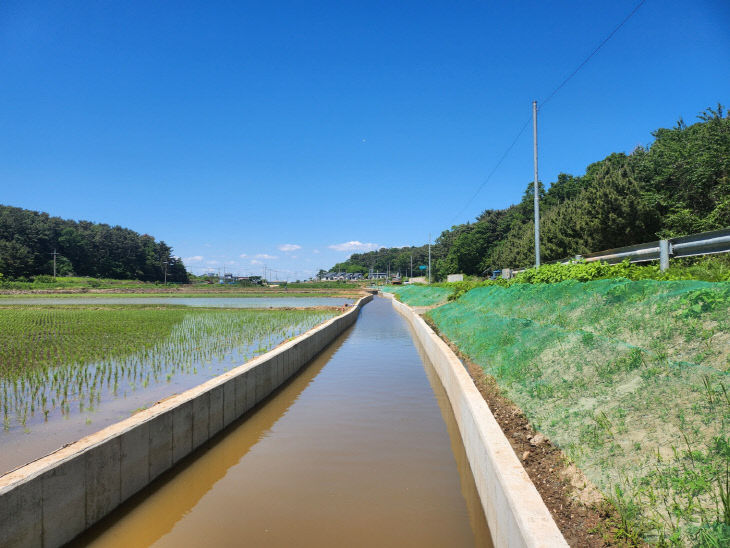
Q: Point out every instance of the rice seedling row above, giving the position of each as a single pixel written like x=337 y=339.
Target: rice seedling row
x=55 y=360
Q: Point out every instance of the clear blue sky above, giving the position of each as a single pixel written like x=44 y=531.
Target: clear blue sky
x=232 y=130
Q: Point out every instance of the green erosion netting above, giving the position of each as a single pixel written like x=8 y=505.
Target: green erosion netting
x=419 y=295
x=630 y=379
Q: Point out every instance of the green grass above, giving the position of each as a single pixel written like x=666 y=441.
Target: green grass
x=713 y=268
x=347 y=286
x=53 y=357
x=82 y=284
x=630 y=379
x=241 y=293
x=72 y=282
x=419 y=295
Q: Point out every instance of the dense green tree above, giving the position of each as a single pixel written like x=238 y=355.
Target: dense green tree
x=678 y=185
x=16 y=259
x=686 y=174
x=349 y=268
x=29 y=238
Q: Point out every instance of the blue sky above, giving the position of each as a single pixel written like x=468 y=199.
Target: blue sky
x=290 y=134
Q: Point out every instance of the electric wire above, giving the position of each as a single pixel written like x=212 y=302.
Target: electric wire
x=590 y=56
x=494 y=169
x=542 y=104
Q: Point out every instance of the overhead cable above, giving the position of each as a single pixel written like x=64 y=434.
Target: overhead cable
x=590 y=56
x=495 y=168
x=542 y=104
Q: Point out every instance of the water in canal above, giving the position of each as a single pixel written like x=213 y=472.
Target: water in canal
x=360 y=449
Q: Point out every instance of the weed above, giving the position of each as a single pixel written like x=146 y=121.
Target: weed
x=630 y=385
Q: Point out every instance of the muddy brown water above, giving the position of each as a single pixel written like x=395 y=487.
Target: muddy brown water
x=360 y=449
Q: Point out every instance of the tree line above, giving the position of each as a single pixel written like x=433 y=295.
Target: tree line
x=28 y=240
x=678 y=185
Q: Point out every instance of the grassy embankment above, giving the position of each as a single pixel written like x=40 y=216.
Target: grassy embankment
x=71 y=282
x=629 y=378
x=73 y=286
x=420 y=295
x=57 y=356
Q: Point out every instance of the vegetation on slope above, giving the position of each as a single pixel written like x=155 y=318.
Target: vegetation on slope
x=420 y=295
x=630 y=378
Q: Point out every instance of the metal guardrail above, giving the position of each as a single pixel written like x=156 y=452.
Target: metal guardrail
x=703 y=243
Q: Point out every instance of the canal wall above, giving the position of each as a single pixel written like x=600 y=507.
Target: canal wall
x=51 y=500
x=515 y=512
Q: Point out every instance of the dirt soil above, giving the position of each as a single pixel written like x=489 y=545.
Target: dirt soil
x=578 y=508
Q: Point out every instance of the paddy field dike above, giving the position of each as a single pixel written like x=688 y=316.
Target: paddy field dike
x=70 y=366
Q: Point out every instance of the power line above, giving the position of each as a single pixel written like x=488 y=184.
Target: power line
x=494 y=169
x=590 y=56
x=542 y=104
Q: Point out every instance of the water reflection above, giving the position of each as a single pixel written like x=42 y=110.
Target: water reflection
x=353 y=452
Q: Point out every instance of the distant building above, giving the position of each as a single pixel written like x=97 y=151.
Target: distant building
x=249 y=280
x=227 y=279
x=342 y=276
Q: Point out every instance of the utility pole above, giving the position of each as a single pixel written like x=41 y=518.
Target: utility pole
x=165 y=263
x=537 y=201
x=429 y=257
x=411 y=276
x=54 y=263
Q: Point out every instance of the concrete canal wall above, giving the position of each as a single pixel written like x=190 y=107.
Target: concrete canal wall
x=515 y=512
x=51 y=500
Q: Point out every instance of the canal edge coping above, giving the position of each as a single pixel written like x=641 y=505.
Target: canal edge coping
x=51 y=500
x=516 y=514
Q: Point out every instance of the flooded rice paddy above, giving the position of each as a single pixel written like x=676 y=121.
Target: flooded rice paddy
x=68 y=371
x=360 y=449
x=207 y=302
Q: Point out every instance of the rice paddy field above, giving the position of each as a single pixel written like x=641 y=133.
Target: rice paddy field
x=215 y=301
x=631 y=379
x=69 y=370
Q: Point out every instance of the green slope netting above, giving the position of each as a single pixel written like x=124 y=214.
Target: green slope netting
x=630 y=379
x=419 y=295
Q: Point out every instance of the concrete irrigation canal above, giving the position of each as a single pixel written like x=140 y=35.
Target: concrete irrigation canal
x=360 y=447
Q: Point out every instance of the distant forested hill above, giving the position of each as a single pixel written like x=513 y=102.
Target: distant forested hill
x=28 y=239
x=679 y=185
